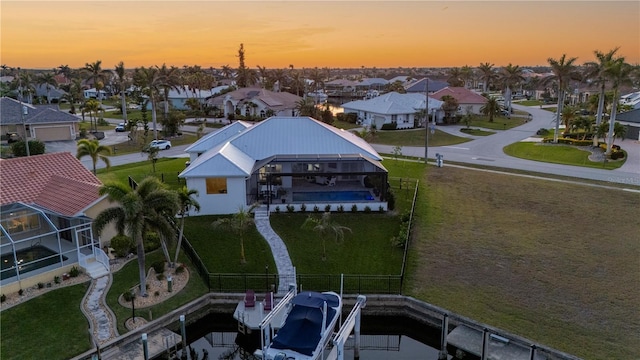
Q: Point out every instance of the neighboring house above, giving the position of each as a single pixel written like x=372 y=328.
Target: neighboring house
x=178 y=99
x=285 y=161
x=47 y=205
x=466 y=98
x=339 y=87
x=54 y=94
x=631 y=99
x=421 y=85
x=94 y=94
x=43 y=122
x=391 y=108
x=372 y=84
x=253 y=101
x=631 y=120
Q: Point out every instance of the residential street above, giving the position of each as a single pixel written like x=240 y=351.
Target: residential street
x=484 y=150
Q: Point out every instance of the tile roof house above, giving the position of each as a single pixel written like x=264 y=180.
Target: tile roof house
x=298 y=161
x=466 y=98
x=178 y=99
x=631 y=120
x=391 y=108
x=43 y=122
x=253 y=101
x=47 y=203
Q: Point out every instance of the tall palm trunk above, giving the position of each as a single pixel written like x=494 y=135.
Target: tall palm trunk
x=612 y=121
x=558 y=112
x=123 y=105
x=175 y=258
x=141 y=266
x=599 y=115
x=154 y=118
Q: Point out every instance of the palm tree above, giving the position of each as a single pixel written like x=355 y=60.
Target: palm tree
x=487 y=75
x=324 y=227
x=186 y=203
x=150 y=81
x=238 y=223
x=169 y=80
x=510 y=76
x=467 y=75
x=146 y=208
x=93 y=107
x=227 y=71
x=64 y=70
x=619 y=73
x=49 y=81
x=153 y=156
x=122 y=82
x=93 y=149
x=595 y=71
x=490 y=108
x=454 y=77
x=563 y=71
x=97 y=75
x=569 y=116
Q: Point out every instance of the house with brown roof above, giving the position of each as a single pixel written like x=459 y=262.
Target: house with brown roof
x=466 y=98
x=47 y=205
x=42 y=122
x=252 y=101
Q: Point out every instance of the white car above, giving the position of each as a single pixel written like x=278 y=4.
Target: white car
x=160 y=144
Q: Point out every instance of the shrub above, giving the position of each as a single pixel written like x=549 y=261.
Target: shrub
x=391 y=200
x=180 y=269
x=617 y=155
x=278 y=209
x=56 y=279
x=327 y=208
x=127 y=296
x=157 y=293
x=20 y=292
x=316 y=209
x=290 y=208
x=381 y=208
x=122 y=245
x=160 y=277
x=158 y=266
x=367 y=209
x=352 y=118
x=542 y=131
x=341 y=117
x=74 y=272
x=3 y=298
x=40 y=285
x=354 y=208
x=340 y=208
x=389 y=126
x=36 y=147
x=151 y=241
x=303 y=208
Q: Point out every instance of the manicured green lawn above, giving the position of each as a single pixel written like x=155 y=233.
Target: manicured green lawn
x=499 y=122
x=416 y=137
x=168 y=167
x=558 y=154
x=129 y=147
x=128 y=277
x=50 y=326
x=345 y=125
x=528 y=102
x=476 y=132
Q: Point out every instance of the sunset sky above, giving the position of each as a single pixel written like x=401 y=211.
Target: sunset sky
x=47 y=34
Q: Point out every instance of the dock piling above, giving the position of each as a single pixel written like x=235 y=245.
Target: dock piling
x=145 y=346
x=183 y=332
x=485 y=339
x=443 y=339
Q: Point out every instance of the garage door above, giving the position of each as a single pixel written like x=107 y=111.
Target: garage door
x=53 y=133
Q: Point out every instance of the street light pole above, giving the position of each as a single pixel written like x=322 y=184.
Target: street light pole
x=133 y=306
x=426 y=120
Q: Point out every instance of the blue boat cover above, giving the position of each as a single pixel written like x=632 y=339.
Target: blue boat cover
x=301 y=330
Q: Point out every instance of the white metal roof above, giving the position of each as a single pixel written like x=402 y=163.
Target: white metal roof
x=276 y=136
x=393 y=103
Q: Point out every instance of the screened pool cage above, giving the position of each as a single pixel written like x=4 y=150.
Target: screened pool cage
x=35 y=240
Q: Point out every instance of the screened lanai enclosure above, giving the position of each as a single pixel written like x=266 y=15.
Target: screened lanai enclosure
x=35 y=241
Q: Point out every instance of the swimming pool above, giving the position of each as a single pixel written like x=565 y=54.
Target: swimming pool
x=29 y=259
x=332 y=196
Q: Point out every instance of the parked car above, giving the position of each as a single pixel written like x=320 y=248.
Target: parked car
x=120 y=128
x=160 y=144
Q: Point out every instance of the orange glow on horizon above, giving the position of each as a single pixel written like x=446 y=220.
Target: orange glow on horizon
x=47 y=34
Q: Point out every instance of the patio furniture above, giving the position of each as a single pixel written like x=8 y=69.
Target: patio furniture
x=250 y=299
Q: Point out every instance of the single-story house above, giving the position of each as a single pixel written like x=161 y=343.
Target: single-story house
x=93 y=93
x=43 y=122
x=466 y=98
x=631 y=99
x=392 y=108
x=421 y=85
x=631 y=120
x=51 y=94
x=178 y=99
x=47 y=205
x=295 y=162
x=253 y=101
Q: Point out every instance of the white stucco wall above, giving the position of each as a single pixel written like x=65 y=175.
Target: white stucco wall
x=217 y=204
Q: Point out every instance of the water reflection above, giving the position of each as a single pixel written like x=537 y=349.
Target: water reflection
x=215 y=337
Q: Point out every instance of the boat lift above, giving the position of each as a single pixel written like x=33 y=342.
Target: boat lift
x=267 y=331
x=352 y=323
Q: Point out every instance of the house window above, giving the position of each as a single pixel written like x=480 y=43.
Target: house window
x=394 y=118
x=263 y=113
x=21 y=221
x=216 y=185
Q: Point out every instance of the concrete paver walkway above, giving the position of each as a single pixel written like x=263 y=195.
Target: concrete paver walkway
x=286 y=271
x=101 y=319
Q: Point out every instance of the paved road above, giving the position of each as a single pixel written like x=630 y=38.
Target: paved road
x=484 y=150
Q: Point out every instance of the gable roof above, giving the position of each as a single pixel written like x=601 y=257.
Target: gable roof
x=56 y=181
x=276 y=136
x=632 y=116
x=463 y=95
x=11 y=113
x=393 y=103
x=421 y=85
x=274 y=100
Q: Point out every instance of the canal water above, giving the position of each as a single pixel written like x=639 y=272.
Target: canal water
x=215 y=337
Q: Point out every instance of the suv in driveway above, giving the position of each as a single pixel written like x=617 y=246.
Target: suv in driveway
x=160 y=144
